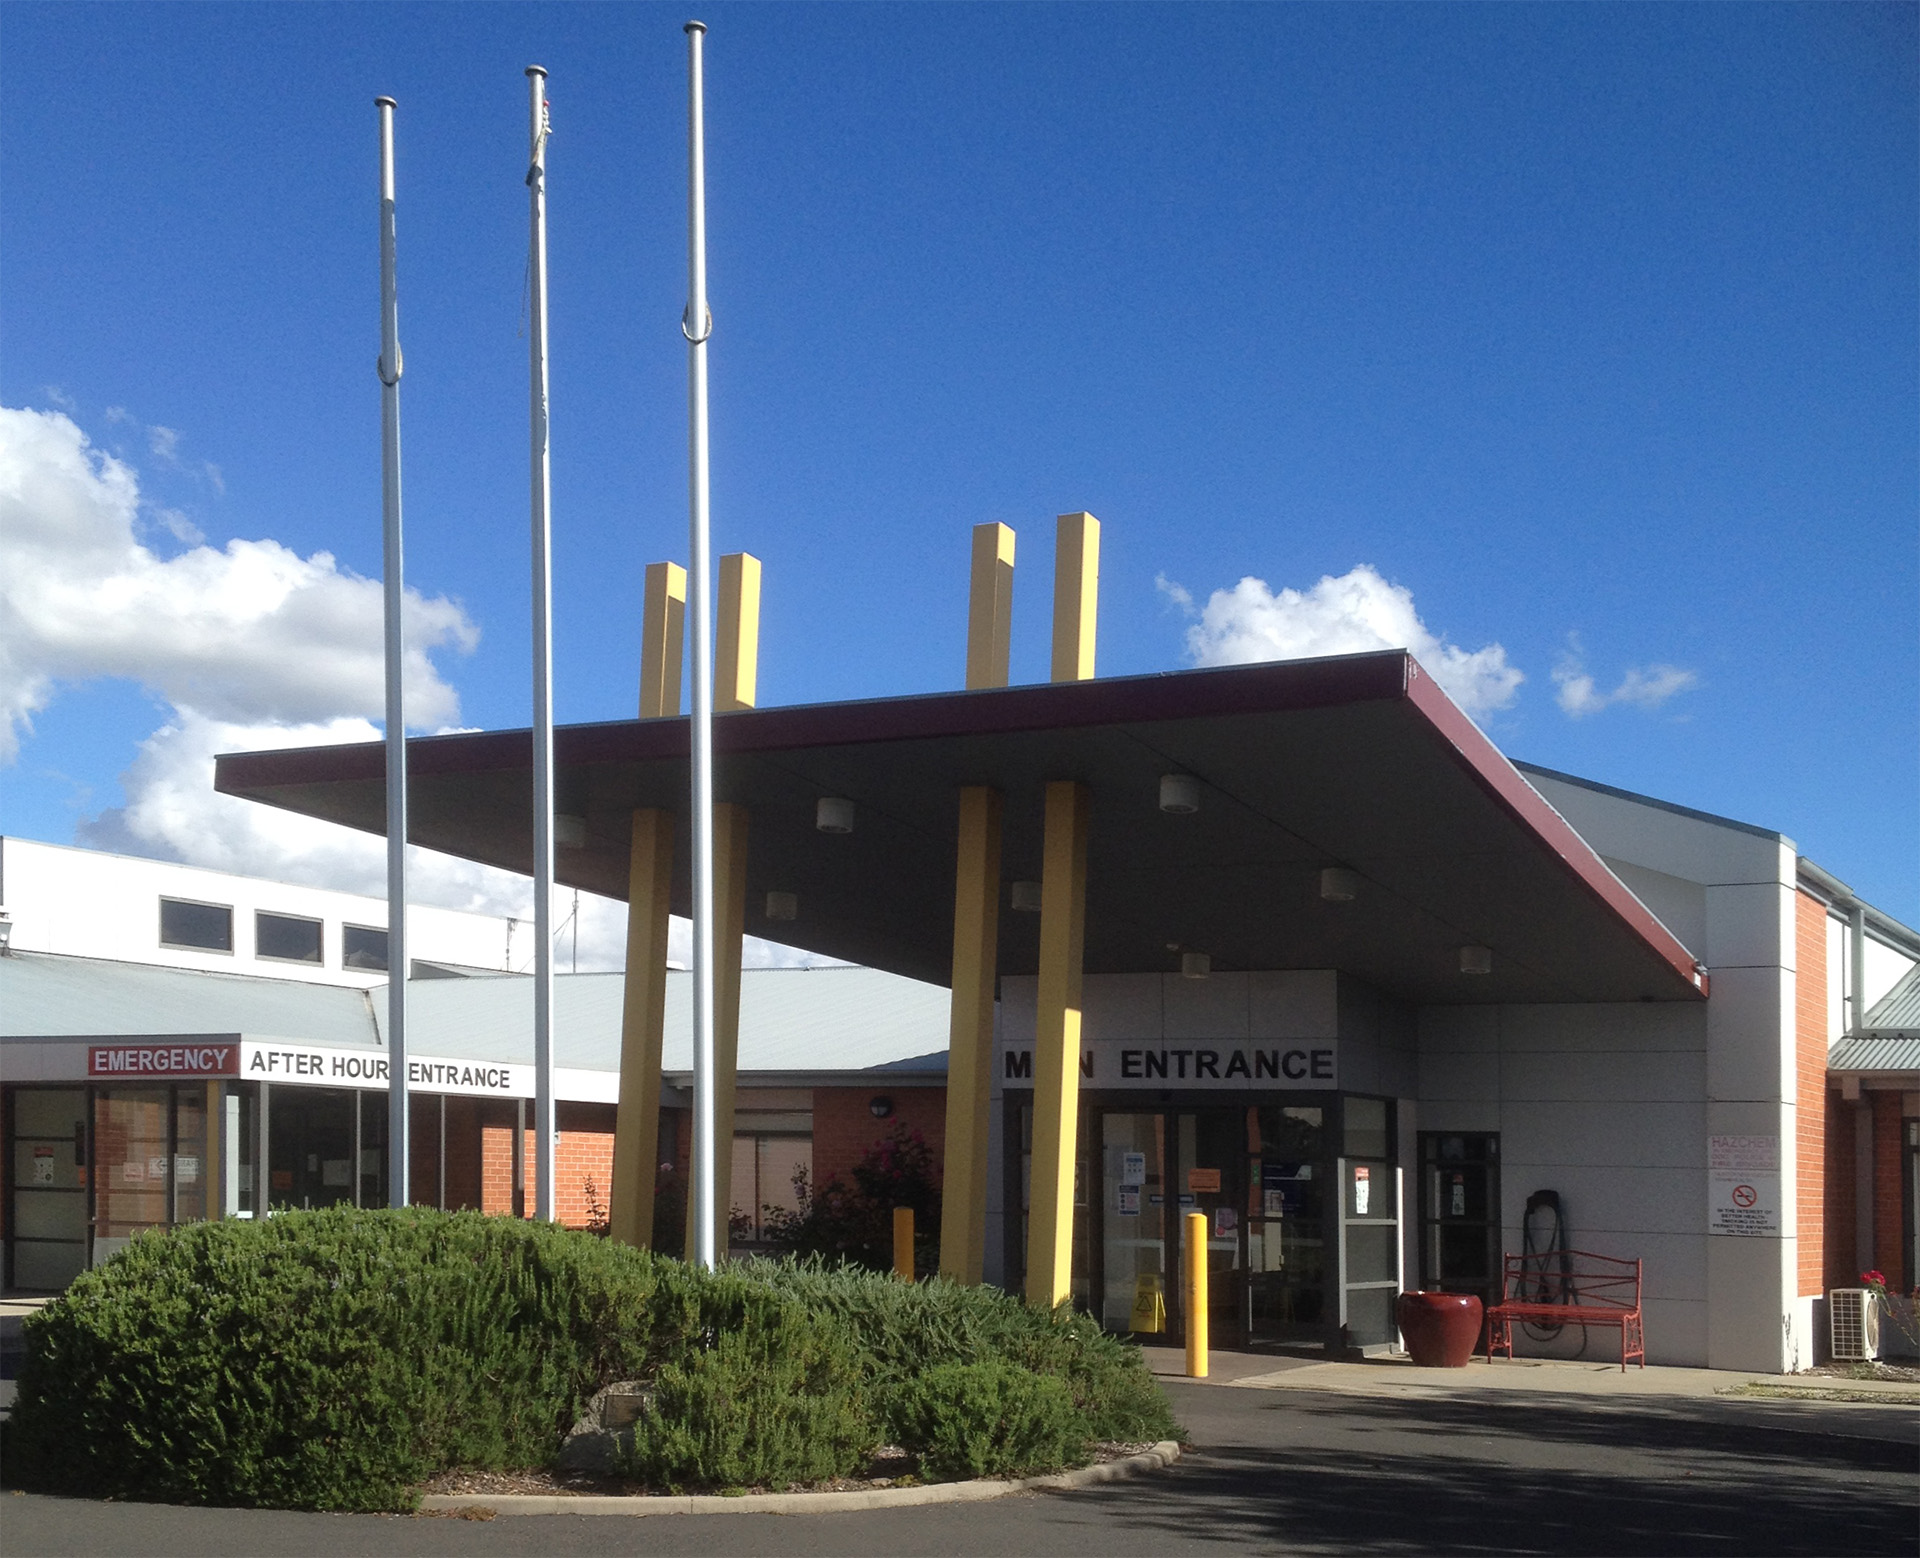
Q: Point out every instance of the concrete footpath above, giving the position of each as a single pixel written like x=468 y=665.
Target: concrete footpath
x=1396 y=1375
x=1287 y=1456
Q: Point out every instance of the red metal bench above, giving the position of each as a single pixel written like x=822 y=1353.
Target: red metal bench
x=1568 y=1287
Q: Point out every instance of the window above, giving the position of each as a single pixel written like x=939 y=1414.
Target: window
x=205 y=926
x=290 y=938
x=361 y=946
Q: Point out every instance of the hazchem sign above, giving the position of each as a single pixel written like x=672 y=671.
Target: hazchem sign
x=1743 y=1186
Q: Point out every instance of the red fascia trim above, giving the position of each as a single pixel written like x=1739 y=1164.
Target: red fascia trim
x=1241 y=689
x=1505 y=783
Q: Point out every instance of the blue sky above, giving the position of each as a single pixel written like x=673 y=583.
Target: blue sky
x=1590 y=328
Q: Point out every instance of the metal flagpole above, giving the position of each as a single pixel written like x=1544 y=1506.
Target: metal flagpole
x=538 y=129
x=389 y=371
x=697 y=324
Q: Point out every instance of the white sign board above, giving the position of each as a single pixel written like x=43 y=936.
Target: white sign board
x=1743 y=1186
x=1211 y=1065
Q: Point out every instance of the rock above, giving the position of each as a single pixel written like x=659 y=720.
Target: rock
x=604 y=1432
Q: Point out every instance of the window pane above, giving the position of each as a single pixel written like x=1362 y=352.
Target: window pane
x=286 y=937
x=362 y=947
x=207 y=925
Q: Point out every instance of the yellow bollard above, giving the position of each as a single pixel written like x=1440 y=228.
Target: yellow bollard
x=903 y=1243
x=1196 y=1295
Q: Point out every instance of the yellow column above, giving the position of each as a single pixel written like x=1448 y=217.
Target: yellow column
x=1076 y=594
x=736 y=673
x=1056 y=1048
x=643 y=1013
x=903 y=1243
x=990 y=606
x=736 y=651
x=636 y=1131
x=729 y=927
x=976 y=933
x=1063 y=933
x=663 y=632
x=976 y=938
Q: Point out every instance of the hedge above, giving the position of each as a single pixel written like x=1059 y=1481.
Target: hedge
x=338 y=1359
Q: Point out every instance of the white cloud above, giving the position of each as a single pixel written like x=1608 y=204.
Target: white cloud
x=1643 y=687
x=246 y=633
x=254 y=647
x=1356 y=612
x=165 y=444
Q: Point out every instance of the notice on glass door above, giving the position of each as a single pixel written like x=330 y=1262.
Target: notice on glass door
x=1362 y=1190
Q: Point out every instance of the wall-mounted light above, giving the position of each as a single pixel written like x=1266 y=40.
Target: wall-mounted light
x=783 y=906
x=6 y=934
x=834 y=814
x=1025 y=897
x=1179 y=794
x=880 y=1107
x=1476 y=960
x=1195 y=965
x=1339 y=885
x=569 y=831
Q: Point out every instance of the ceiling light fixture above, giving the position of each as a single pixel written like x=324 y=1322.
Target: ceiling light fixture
x=1179 y=794
x=569 y=832
x=1339 y=885
x=834 y=814
x=1476 y=960
x=1195 y=965
x=783 y=906
x=1025 y=897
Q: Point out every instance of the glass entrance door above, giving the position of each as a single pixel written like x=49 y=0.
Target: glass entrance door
x=47 y=1214
x=1134 y=1215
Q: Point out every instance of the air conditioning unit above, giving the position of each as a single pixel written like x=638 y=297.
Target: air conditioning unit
x=1854 y=1321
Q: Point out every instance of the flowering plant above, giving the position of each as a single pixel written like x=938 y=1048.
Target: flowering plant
x=1905 y=1318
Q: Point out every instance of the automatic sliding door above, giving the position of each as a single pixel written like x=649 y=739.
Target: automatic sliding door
x=1133 y=1186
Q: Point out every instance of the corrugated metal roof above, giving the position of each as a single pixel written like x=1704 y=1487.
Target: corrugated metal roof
x=1899 y=1008
x=826 y=1019
x=1874 y=1055
x=817 y=1019
x=43 y=995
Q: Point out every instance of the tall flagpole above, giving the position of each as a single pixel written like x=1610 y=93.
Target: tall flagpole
x=391 y=561
x=697 y=324
x=543 y=1123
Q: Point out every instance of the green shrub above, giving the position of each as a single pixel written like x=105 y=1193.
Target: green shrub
x=765 y=1407
x=333 y=1360
x=900 y=1330
x=988 y=1419
x=337 y=1359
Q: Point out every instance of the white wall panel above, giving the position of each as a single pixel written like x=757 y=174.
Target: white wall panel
x=1572 y=1076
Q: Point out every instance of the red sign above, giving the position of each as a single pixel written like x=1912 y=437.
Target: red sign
x=164 y=1060
x=1745 y=1195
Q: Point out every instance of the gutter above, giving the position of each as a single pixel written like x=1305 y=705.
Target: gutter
x=1862 y=917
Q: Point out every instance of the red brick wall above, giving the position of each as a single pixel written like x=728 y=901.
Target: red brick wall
x=1888 y=1245
x=844 y=1127
x=1843 y=1264
x=1810 y=1065
x=584 y=1151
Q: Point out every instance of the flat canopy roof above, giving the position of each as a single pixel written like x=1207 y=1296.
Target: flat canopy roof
x=1356 y=760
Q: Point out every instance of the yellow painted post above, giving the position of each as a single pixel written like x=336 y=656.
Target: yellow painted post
x=636 y=1131
x=1195 y=1297
x=1056 y=1049
x=1076 y=596
x=736 y=657
x=976 y=934
x=976 y=938
x=990 y=606
x=903 y=1243
x=663 y=632
x=729 y=929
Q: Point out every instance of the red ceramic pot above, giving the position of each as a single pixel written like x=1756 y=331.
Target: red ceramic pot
x=1440 y=1329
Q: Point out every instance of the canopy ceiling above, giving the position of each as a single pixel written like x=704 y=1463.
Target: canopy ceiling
x=1359 y=761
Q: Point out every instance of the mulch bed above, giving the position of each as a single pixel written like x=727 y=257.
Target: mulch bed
x=1888 y=1371
x=891 y=1467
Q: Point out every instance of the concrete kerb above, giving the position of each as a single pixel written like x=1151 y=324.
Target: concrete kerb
x=1162 y=1455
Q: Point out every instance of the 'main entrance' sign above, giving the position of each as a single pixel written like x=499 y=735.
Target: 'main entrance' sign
x=1264 y=1064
